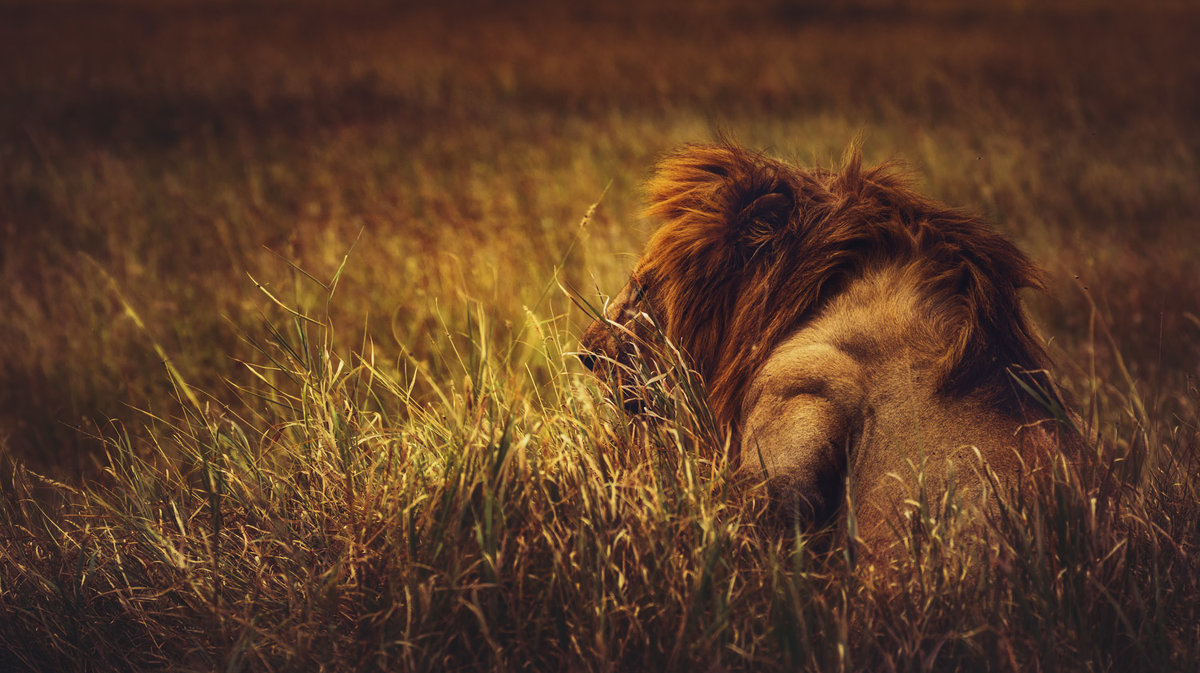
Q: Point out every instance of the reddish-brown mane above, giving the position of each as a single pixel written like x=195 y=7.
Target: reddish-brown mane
x=751 y=247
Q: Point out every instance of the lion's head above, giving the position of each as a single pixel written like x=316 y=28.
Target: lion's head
x=838 y=318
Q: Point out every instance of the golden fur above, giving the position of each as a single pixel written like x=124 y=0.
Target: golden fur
x=845 y=325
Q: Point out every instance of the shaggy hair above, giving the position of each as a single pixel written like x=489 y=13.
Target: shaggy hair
x=750 y=248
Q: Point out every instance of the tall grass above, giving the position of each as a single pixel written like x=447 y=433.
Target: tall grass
x=358 y=519
x=215 y=459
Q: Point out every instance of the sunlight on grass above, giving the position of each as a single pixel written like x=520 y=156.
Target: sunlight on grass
x=363 y=515
x=226 y=443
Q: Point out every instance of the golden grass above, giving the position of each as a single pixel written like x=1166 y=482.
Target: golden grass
x=347 y=525
x=415 y=477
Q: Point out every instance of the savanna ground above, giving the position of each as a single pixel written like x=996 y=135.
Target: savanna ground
x=284 y=381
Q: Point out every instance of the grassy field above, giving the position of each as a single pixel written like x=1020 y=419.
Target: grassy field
x=283 y=371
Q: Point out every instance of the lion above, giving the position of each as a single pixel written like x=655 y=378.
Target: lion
x=854 y=336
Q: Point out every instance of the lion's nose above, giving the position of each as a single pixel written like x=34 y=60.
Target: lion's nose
x=587 y=359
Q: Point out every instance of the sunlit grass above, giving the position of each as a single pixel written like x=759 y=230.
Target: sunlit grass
x=228 y=445
x=504 y=519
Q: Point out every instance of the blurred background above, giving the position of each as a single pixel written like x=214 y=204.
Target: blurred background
x=162 y=159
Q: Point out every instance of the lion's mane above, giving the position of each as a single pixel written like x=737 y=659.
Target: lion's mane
x=750 y=248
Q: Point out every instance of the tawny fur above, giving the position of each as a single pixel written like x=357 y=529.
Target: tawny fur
x=845 y=325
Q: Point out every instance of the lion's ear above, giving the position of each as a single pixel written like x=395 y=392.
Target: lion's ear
x=723 y=191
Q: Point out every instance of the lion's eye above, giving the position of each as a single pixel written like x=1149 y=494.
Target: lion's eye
x=639 y=294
